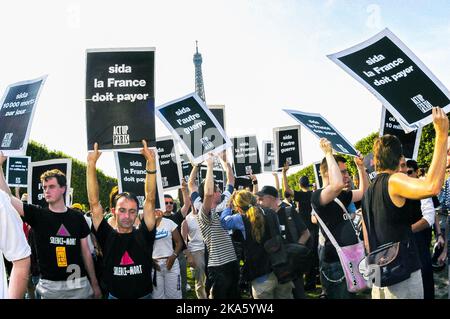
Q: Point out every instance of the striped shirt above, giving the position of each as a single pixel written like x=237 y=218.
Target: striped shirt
x=218 y=241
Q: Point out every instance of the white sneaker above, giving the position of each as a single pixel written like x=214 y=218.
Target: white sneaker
x=188 y=287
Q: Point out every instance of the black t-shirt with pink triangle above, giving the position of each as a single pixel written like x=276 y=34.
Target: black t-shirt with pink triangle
x=58 y=243
x=128 y=260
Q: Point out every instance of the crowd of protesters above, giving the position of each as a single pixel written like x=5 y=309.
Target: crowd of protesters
x=61 y=252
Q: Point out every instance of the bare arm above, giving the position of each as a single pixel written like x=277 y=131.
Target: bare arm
x=254 y=183
x=150 y=186
x=285 y=179
x=90 y=269
x=192 y=178
x=227 y=168
x=363 y=180
x=16 y=202
x=18 y=281
x=176 y=237
x=92 y=187
x=17 y=192
x=186 y=199
x=420 y=225
x=401 y=186
x=185 y=231
x=209 y=187
x=365 y=236
x=336 y=182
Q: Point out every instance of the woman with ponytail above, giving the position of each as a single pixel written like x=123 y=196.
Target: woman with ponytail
x=251 y=220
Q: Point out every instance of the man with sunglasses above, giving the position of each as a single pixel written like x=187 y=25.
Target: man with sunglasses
x=127 y=251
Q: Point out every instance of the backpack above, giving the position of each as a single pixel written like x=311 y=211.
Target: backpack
x=288 y=260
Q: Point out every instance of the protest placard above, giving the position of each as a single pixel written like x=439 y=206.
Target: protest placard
x=120 y=98
x=320 y=127
x=397 y=77
x=17 y=109
x=131 y=175
x=36 y=169
x=194 y=126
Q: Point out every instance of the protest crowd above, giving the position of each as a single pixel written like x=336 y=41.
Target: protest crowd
x=379 y=235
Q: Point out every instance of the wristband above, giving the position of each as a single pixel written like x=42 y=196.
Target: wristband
x=255 y=182
x=174 y=253
x=150 y=172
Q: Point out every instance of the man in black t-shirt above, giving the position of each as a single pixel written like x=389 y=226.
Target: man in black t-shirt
x=61 y=236
x=268 y=198
x=336 y=182
x=127 y=251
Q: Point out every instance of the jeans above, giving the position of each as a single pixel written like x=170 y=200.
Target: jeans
x=333 y=279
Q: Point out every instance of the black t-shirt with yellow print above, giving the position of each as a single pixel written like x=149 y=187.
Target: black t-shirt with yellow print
x=58 y=241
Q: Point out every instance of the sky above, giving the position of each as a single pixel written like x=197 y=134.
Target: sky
x=259 y=57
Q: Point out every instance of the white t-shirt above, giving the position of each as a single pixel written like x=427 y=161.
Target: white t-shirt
x=13 y=244
x=163 y=246
x=195 y=237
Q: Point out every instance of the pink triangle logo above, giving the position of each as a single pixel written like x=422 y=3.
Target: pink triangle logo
x=126 y=260
x=62 y=231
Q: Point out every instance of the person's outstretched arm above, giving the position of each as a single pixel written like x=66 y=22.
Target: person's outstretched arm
x=227 y=167
x=92 y=187
x=209 y=186
x=402 y=186
x=192 y=187
x=285 y=179
x=150 y=186
x=363 y=180
x=18 y=281
x=336 y=182
x=186 y=199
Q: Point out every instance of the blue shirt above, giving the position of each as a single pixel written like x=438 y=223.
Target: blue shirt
x=228 y=220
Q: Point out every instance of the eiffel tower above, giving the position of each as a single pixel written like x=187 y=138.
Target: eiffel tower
x=199 y=88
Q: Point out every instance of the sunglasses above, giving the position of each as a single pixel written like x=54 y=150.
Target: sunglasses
x=169 y=203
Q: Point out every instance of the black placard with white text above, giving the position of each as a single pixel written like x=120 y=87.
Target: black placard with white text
x=170 y=163
x=190 y=122
x=370 y=167
x=120 y=98
x=17 y=171
x=318 y=175
x=186 y=167
x=36 y=169
x=320 y=127
x=287 y=146
x=17 y=109
x=397 y=77
x=269 y=156
x=219 y=113
x=246 y=155
x=410 y=141
x=131 y=177
x=218 y=174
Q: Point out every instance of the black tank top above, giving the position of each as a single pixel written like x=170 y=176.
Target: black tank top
x=390 y=223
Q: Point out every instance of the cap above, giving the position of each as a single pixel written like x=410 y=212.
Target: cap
x=304 y=181
x=268 y=190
